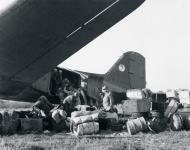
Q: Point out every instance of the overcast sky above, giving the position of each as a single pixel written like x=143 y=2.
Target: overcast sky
x=158 y=29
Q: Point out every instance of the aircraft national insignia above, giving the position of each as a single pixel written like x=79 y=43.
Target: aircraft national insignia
x=121 y=68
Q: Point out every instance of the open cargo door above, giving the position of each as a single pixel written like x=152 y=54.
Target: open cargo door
x=94 y=87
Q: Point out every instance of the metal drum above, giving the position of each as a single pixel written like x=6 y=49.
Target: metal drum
x=185 y=114
x=136 y=125
x=176 y=122
x=172 y=108
x=157 y=125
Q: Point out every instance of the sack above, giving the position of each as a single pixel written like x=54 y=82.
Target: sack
x=82 y=113
x=84 y=119
x=58 y=115
x=86 y=128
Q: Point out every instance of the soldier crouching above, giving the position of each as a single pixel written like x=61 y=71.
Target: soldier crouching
x=54 y=118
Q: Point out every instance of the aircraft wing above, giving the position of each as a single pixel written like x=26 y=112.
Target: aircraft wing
x=37 y=35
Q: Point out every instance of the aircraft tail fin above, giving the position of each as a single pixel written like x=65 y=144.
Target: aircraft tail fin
x=127 y=73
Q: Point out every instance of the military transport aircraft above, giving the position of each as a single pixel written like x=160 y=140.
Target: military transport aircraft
x=37 y=35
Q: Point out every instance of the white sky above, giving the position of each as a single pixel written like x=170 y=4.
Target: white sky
x=158 y=29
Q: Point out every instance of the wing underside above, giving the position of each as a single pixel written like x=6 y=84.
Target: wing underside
x=37 y=35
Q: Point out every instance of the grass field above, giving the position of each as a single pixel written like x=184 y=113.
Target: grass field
x=143 y=141
x=167 y=140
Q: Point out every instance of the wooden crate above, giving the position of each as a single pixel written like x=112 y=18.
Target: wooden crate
x=184 y=96
x=133 y=106
x=31 y=124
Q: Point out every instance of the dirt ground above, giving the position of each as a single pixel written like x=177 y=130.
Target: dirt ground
x=167 y=140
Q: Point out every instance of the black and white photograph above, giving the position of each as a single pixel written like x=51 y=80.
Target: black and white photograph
x=94 y=75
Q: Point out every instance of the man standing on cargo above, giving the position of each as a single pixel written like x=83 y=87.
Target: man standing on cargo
x=107 y=99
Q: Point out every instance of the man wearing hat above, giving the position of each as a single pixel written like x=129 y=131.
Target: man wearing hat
x=107 y=99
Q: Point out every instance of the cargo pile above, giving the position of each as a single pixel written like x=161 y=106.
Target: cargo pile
x=141 y=111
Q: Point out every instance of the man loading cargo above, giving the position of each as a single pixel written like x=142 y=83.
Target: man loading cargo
x=43 y=106
x=70 y=102
x=65 y=89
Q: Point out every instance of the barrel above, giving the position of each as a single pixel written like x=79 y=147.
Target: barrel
x=157 y=125
x=176 y=122
x=136 y=125
x=82 y=113
x=172 y=108
x=185 y=114
x=86 y=128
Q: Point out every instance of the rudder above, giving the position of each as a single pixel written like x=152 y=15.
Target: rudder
x=127 y=73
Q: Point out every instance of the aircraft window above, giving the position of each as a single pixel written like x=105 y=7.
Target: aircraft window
x=121 y=67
